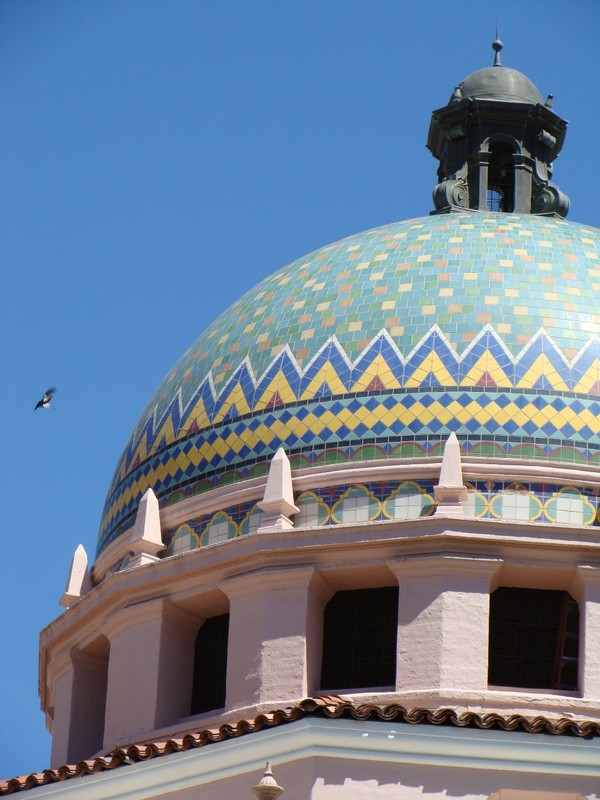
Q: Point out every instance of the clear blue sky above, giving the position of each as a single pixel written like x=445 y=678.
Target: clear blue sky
x=158 y=158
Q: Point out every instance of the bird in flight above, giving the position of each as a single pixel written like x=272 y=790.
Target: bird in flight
x=45 y=401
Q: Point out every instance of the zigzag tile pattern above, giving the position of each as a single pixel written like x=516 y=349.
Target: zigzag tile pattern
x=487 y=325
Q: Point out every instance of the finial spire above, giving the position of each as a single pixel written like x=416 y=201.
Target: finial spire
x=267 y=788
x=497 y=46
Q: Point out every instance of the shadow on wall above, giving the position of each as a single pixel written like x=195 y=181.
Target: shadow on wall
x=350 y=780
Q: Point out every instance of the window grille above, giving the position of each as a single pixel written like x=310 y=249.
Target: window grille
x=534 y=639
x=359 y=639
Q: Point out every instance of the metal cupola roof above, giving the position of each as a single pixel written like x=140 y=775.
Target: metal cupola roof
x=498 y=83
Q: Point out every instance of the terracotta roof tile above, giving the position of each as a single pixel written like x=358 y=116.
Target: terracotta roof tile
x=329 y=706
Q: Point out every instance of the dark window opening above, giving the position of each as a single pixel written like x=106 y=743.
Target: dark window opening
x=534 y=639
x=210 y=665
x=359 y=639
x=501 y=179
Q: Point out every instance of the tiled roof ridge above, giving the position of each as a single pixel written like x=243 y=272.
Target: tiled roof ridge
x=329 y=706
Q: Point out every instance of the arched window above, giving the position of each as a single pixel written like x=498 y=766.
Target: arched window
x=210 y=665
x=534 y=639
x=501 y=178
x=359 y=639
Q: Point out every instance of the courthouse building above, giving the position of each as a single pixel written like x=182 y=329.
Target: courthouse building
x=355 y=532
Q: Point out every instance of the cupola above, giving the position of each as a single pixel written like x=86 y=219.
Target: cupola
x=496 y=140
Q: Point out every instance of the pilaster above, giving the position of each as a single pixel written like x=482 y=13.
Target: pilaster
x=523 y=183
x=79 y=702
x=275 y=635
x=586 y=590
x=443 y=621
x=63 y=702
x=150 y=670
x=478 y=180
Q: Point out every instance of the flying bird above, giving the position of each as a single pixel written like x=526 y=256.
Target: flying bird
x=45 y=401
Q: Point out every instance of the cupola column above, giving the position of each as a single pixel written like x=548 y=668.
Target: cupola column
x=79 y=701
x=443 y=622
x=150 y=669
x=63 y=680
x=478 y=180
x=523 y=183
x=586 y=590
x=275 y=635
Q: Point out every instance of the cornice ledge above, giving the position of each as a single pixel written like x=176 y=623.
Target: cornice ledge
x=362 y=472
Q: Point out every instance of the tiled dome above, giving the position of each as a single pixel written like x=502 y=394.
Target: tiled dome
x=378 y=346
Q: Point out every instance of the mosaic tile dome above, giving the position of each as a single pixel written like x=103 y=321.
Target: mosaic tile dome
x=378 y=346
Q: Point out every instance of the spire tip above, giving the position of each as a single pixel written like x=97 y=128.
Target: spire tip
x=497 y=46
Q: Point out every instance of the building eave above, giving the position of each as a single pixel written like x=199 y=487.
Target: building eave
x=330 y=727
